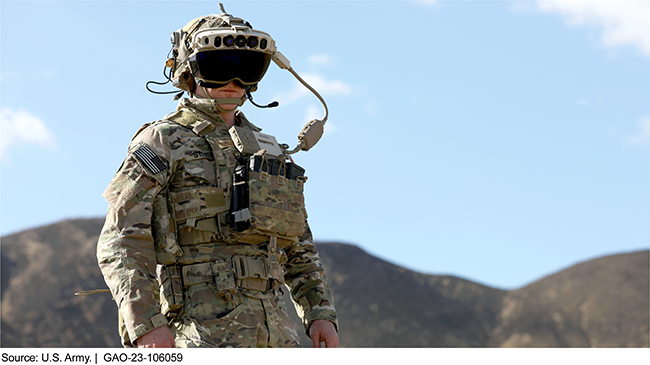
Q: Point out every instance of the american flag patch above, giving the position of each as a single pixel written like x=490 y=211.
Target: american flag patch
x=148 y=158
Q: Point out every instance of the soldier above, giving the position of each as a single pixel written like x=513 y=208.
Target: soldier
x=204 y=226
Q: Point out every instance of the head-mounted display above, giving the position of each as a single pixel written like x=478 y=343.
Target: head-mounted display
x=217 y=49
x=219 y=67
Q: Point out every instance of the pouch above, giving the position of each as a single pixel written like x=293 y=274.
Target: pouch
x=171 y=290
x=273 y=203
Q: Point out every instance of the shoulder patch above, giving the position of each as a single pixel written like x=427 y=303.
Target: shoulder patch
x=149 y=158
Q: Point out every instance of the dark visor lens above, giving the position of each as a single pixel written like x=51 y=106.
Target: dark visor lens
x=223 y=66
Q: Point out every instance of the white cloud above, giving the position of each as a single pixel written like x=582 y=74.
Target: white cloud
x=20 y=127
x=325 y=87
x=643 y=135
x=319 y=83
x=320 y=59
x=624 y=21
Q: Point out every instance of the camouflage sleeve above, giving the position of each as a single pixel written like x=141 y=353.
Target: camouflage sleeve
x=125 y=250
x=305 y=276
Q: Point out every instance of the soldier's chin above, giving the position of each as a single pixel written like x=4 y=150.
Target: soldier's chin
x=229 y=107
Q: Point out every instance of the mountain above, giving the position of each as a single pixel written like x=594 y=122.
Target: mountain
x=46 y=266
x=598 y=303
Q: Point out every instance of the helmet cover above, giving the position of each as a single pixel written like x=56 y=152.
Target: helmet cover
x=218 y=49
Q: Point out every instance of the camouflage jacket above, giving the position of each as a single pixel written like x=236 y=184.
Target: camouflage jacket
x=166 y=160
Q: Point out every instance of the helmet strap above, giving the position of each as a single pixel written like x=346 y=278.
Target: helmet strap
x=218 y=101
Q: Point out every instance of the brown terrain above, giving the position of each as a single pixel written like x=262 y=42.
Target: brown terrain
x=598 y=303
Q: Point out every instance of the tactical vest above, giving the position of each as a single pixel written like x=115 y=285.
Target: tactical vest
x=203 y=214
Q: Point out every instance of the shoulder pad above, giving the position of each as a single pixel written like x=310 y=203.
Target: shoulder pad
x=183 y=118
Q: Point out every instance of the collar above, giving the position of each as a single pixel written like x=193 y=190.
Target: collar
x=207 y=109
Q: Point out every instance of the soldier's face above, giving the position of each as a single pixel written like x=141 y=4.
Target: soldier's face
x=231 y=90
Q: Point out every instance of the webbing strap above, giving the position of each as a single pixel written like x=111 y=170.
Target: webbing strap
x=246 y=272
x=251 y=267
x=206 y=130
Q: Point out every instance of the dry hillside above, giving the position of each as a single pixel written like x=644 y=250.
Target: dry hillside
x=598 y=303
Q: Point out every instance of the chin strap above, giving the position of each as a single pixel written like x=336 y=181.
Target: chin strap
x=218 y=101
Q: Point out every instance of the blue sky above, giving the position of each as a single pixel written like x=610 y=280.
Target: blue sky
x=494 y=141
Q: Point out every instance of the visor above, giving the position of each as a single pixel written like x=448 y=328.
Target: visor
x=223 y=66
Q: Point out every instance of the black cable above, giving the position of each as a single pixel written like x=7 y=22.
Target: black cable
x=168 y=77
x=159 y=92
x=271 y=105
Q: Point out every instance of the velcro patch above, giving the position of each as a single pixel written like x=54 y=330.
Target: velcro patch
x=148 y=157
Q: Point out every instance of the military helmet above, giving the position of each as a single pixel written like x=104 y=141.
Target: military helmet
x=213 y=50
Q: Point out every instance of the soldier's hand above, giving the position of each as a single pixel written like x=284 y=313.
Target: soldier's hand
x=160 y=337
x=323 y=331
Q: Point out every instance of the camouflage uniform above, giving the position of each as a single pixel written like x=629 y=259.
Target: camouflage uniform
x=214 y=287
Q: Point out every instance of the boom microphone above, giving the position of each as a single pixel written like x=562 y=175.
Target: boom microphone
x=271 y=105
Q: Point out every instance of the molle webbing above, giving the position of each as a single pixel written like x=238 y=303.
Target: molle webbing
x=276 y=200
x=201 y=202
x=246 y=272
